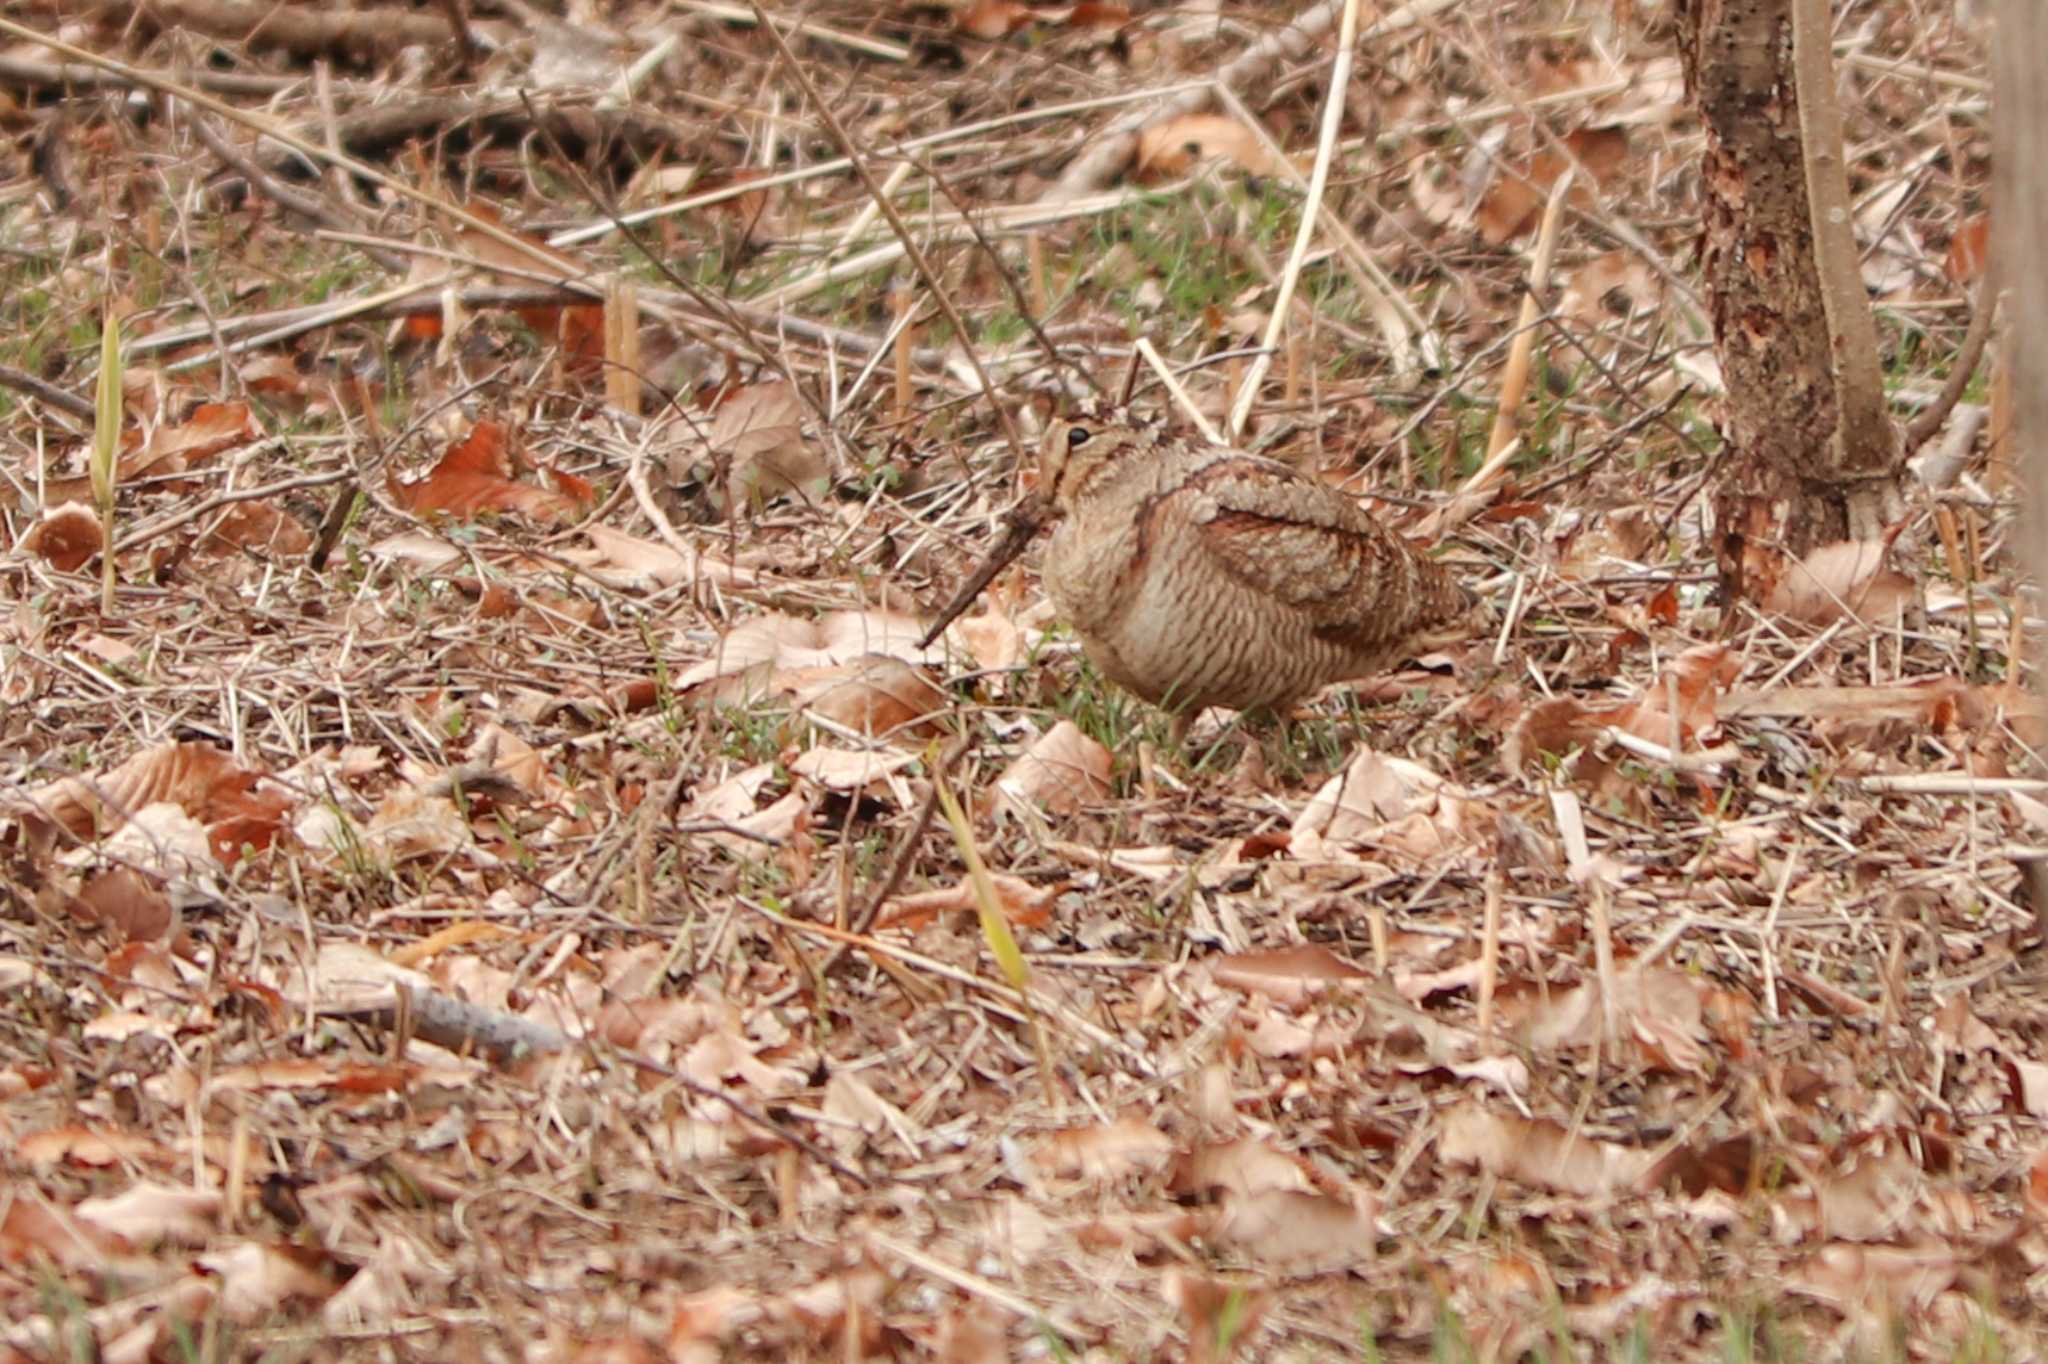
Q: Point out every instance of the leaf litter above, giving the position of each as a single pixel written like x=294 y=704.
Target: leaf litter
x=522 y=926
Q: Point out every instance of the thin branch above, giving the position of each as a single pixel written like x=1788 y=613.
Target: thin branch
x=903 y=234
x=1960 y=372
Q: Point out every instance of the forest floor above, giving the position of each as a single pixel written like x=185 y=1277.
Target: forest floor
x=493 y=874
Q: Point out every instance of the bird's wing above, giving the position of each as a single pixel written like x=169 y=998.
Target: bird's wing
x=1308 y=548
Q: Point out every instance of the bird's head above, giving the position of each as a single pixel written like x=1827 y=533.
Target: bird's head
x=1087 y=448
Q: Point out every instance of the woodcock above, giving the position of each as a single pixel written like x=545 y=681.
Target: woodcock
x=1201 y=576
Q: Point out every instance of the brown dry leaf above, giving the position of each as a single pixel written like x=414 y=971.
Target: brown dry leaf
x=475 y=476
x=1620 y=282
x=1221 y=1317
x=1539 y=1153
x=311 y=1072
x=1063 y=770
x=1876 y=1282
x=992 y=639
x=212 y=429
x=1291 y=975
x=258 y=1281
x=1695 y=679
x=993 y=19
x=875 y=695
x=732 y=801
x=258 y=528
x=1873 y=1194
x=128 y=901
x=1373 y=791
x=194 y=777
x=859 y=1113
x=1515 y=201
x=35 y=1230
x=755 y=451
x=68 y=536
x=1022 y=903
x=1968 y=250
x=1243 y=1167
x=626 y=561
x=1297 y=1233
x=2037 y=1188
x=409 y=824
x=618 y=1350
x=87 y=1147
x=1173 y=148
x=1092 y=14
x=1554 y=728
x=1396 y=808
x=786 y=642
x=1845 y=579
x=1126 y=1146
x=835 y=769
x=705 y=1318
x=577 y=328
x=1664 y=1012
x=966 y=1334
x=1923 y=700
x=149 y=1214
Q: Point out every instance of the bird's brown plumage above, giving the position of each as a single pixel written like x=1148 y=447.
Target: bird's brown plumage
x=1201 y=576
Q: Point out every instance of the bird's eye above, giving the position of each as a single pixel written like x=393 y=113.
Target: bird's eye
x=1077 y=436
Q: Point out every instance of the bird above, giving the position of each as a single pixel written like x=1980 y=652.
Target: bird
x=1197 y=575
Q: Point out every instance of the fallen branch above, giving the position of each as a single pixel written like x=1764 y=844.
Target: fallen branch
x=365 y=36
x=21 y=381
x=579 y=126
x=1960 y=372
x=500 y=1036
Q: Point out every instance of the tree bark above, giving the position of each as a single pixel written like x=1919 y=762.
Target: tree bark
x=1789 y=475
x=2019 y=223
x=2019 y=220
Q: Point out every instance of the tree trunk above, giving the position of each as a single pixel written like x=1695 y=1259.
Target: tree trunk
x=1789 y=476
x=2019 y=221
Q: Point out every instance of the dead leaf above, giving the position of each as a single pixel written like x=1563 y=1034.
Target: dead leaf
x=212 y=429
x=233 y=804
x=1968 y=250
x=754 y=452
x=1292 y=975
x=127 y=901
x=1539 y=1153
x=1220 y=1317
x=1515 y=201
x=578 y=329
x=150 y=1214
x=474 y=477
x=1296 y=1233
x=1126 y=1146
x=68 y=536
x=1063 y=770
x=993 y=19
x=1845 y=579
x=1022 y=903
x=786 y=642
x=1243 y=1168
x=258 y=528
x=1619 y=283
x=875 y=695
x=1175 y=147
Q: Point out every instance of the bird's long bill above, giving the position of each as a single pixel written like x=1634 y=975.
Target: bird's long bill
x=1021 y=522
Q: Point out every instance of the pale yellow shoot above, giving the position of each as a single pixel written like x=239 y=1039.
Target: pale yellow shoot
x=106 y=445
x=994 y=926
